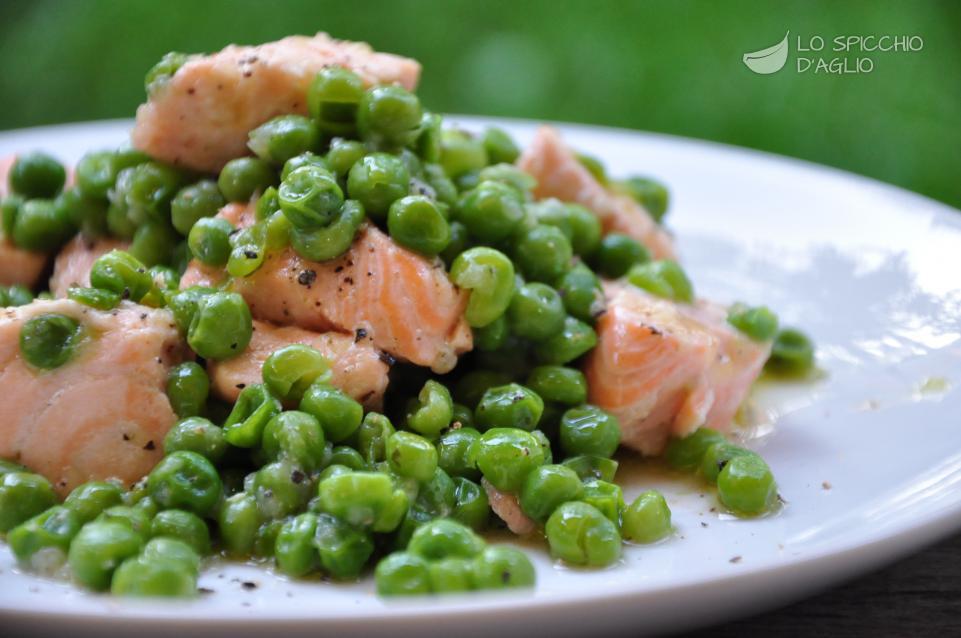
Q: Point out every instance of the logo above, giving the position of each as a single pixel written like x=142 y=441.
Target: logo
x=769 y=60
x=837 y=55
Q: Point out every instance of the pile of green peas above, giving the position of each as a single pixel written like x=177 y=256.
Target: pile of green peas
x=295 y=471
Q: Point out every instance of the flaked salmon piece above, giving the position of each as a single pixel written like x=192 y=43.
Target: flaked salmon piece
x=101 y=415
x=508 y=509
x=665 y=369
x=357 y=366
x=200 y=119
x=404 y=303
x=73 y=263
x=17 y=266
x=560 y=175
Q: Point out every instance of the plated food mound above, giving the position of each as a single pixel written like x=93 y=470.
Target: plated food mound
x=301 y=321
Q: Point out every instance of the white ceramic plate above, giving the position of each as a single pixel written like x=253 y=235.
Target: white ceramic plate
x=868 y=458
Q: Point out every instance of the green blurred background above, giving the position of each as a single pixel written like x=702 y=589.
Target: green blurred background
x=673 y=67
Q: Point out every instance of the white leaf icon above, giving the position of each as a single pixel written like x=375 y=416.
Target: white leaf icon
x=769 y=60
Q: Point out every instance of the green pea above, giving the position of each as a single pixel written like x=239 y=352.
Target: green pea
x=221 y=327
x=244 y=176
x=505 y=456
x=500 y=147
x=306 y=158
x=187 y=388
x=339 y=415
x=248 y=249
x=417 y=223
x=41 y=226
x=332 y=100
x=454 y=452
x=663 y=278
x=438 y=496
x=475 y=383
x=239 y=519
x=471 y=505
x=412 y=456
x=389 y=114
x=165 y=279
x=196 y=434
x=606 y=497
x=284 y=137
x=333 y=240
x=289 y=371
x=559 y=384
x=294 y=550
x=716 y=457
x=267 y=204
x=647 y=519
x=183 y=525
x=686 y=453
x=545 y=444
x=95 y=173
x=41 y=543
x=589 y=430
x=280 y=489
x=580 y=534
x=491 y=211
x=551 y=212
x=792 y=353
x=18 y=295
x=7 y=467
x=90 y=499
x=179 y=260
x=343 y=549
x=296 y=437
x=49 y=340
x=509 y=406
x=576 y=338
x=543 y=253
x=460 y=152
x=343 y=154
x=87 y=214
x=402 y=574
x=36 y=175
x=193 y=203
x=432 y=411
x=444 y=189
x=159 y=74
x=265 y=540
x=141 y=576
x=153 y=243
x=536 y=312
x=185 y=480
x=586 y=230
x=184 y=304
x=581 y=291
x=451 y=575
x=150 y=188
x=372 y=436
x=147 y=506
x=377 y=181
x=649 y=193
x=758 y=323
x=618 y=253
x=9 y=209
x=118 y=222
x=746 y=485
x=489 y=275
x=445 y=538
x=135 y=517
x=493 y=336
x=547 y=487
x=98 y=549
x=500 y=567
x=510 y=175
x=310 y=197
x=174 y=552
x=121 y=273
x=346 y=456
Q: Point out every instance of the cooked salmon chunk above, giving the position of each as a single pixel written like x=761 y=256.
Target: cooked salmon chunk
x=73 y=263
x=559 y=174
x=357 y=366
x=101 y=415
x=508 y=509
x=201 y=117
x=665 y=369
x=404 y=303
x=17 y=266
